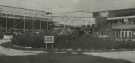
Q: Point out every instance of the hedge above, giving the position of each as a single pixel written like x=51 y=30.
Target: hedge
x=73 y=41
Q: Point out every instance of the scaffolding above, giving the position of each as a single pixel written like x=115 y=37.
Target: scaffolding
x=22 y=20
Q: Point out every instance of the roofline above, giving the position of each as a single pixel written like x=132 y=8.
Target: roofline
x=23 y=8
x=109 y=10
x=124 y=17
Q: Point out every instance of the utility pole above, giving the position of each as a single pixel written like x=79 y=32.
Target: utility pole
x=40 y=25
x=24 y=24
x=6 y=24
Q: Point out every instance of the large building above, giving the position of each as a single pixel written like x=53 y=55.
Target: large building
x=119 y=24
x=22 y=20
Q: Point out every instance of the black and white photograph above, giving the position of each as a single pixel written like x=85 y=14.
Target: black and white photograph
x=67 y=31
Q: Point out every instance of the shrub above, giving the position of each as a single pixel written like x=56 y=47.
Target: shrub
x=74 y=40
x=126 y=45
x=89 y=42
x=29 y=39
x=1 y=35
x=64 y=41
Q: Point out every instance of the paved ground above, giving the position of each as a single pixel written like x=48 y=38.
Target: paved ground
x=14 y=52
x=126 y=55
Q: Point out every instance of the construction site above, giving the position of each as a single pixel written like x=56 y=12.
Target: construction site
x=67 y=31
x=15 y=19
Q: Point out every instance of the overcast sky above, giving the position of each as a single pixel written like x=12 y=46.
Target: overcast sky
x=70 y=5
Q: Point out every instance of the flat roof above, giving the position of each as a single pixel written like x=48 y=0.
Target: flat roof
x=123 y=26
x=23 y=11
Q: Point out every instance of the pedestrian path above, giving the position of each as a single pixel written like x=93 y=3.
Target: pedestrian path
x=14 y=52
x=126 y=55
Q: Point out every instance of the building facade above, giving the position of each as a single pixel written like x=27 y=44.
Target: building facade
x=14 y=19
x=120 y=23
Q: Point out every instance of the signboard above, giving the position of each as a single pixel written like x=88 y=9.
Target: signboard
x=48 y=39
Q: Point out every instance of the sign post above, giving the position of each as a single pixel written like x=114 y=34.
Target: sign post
x=48 y=40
